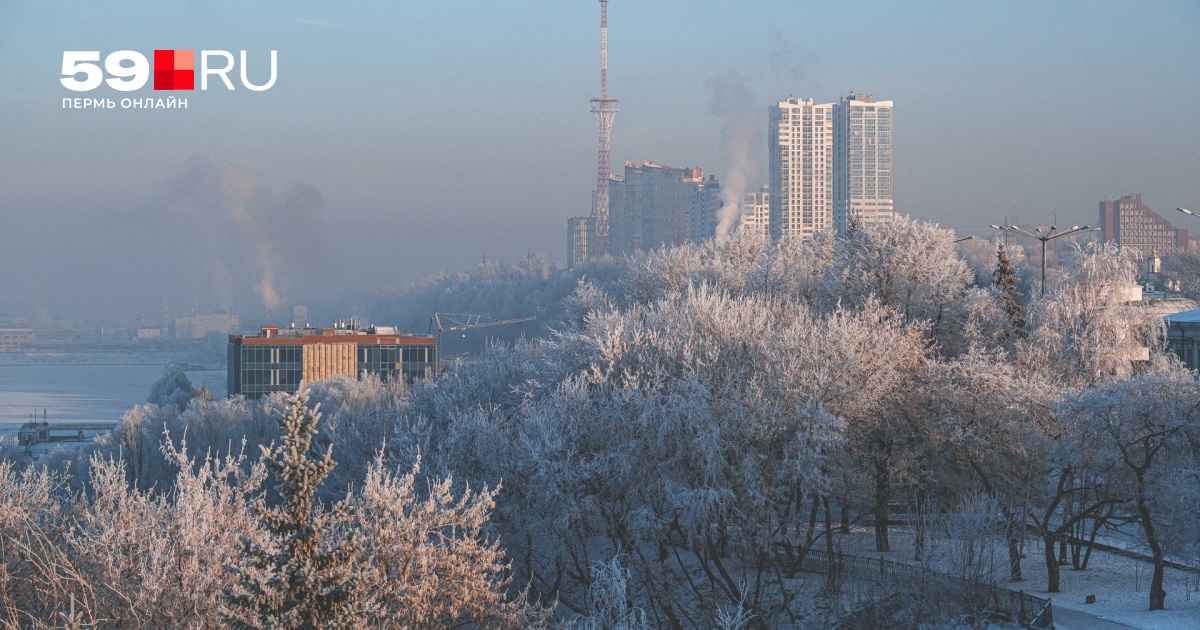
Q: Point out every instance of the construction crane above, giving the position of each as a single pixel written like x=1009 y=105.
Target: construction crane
x=455 y=322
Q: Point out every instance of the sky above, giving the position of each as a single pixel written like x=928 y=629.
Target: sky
x=408 y=138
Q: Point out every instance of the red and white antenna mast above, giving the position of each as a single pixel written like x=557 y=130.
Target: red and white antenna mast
x=605 y=110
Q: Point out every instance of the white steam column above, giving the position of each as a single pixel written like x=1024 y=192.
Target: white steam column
x=605 y=110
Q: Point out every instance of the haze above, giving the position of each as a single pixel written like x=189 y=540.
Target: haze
x=407 y=138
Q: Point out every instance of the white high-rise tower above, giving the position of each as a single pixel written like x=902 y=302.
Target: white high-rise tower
x=862 y=161
x=800 y=141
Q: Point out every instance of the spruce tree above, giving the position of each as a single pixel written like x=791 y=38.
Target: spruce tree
x=1004 y=278
x=305 y=576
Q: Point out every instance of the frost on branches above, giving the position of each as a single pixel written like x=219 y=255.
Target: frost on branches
x=698 y=422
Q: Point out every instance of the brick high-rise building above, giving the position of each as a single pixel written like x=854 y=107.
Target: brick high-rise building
x=1132 y=225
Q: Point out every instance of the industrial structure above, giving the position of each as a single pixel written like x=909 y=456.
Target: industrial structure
x=587 y=237
x=282 y=360
x=830 y=164
x=455 y=322
x=1133 y=226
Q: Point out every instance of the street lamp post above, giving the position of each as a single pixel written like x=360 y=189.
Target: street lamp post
x=1050 y=235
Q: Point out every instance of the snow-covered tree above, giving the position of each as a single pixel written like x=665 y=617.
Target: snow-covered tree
x=1005 y=280
x=174 y=388
x=1084 y=332
x=305 y=575
x=985 y=420
x=1143 y=430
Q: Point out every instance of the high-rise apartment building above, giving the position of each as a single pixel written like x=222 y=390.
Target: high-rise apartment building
x=756 y=210
x=862 y=161
x=830 y=164
x=653 y=205
x=706 y=208
x=582 y=240
x=1133 y=226
x=800 y=142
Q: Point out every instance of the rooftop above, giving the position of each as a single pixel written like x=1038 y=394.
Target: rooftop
x=1184 y=317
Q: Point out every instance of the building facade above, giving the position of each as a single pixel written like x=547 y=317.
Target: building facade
x=756 y=211
x=1133 y=226
x=282 y=360
x=800 y=143
x=197 y=326
x=1183 y=337
x=582 y=240
x=17 y=339
x=862 y=161
x=655 y=205
x=706 y=210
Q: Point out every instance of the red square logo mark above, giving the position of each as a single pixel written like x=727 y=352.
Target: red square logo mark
x=174 y=69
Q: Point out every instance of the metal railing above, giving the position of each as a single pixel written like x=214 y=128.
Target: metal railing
x=900 y=579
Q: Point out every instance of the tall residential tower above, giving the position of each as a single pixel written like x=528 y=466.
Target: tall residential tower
x=830 y=165
x=862 y=161
x=800 y=141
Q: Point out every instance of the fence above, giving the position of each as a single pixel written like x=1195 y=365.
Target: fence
x=1028 y=610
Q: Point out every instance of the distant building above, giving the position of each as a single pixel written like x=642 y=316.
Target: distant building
x=17 y=339
x=281 y=360
x=756 y=210
x=862 y=161
x=656 y=207
x=300 y=314
x=800 y=164
x=583 y=243
x=706 y=210
x=830 y=164
x=197 y=326
x=1183 y=336
x=1133 y=226
x=149 y=332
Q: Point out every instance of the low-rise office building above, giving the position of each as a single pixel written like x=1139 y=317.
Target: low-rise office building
x=282 y=360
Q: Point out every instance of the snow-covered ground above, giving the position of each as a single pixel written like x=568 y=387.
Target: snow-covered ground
x=1121 y=585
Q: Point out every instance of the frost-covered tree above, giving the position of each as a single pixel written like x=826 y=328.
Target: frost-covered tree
x=909 y=266
x=428 y=561
x=305 y=575
x=1005 y=280
x=1144 y=430
x=174 y=388
x=984 y=426
x=1084 y=332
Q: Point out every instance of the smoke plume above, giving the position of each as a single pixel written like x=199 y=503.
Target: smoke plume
x=733 y=103
x=229 y=218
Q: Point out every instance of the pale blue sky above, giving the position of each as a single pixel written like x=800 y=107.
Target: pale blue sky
x=436 y=132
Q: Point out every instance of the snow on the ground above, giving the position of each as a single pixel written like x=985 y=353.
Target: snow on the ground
x=1121 y=585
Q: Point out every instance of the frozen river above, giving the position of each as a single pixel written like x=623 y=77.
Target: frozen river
x=76 y=389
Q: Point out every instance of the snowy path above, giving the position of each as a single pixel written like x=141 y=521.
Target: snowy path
x=1065 y=619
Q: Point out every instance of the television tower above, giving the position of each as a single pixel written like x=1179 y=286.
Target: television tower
x=605 y=110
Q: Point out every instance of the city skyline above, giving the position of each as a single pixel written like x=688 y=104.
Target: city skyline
x=381 y=150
